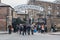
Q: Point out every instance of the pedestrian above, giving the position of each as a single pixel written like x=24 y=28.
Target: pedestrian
x=32 y=29
x=17 y=28
x=10 y=29
x=21 y=28
x=39 y=28
x=35 y=28
x=24 y=29
x=28 y=29
x=14 y=26
x=45 y=28
x=42 y=28
x=54 y=30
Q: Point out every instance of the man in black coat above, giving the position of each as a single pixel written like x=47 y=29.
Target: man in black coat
x=24 y=29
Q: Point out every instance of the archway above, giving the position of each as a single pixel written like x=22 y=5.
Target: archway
x=31 y=10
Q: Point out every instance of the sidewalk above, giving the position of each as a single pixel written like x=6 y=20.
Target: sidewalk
x=3 y=32
x=52 y=33
x=55 y=33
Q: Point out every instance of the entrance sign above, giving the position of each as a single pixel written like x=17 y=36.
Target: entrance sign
x=26 y=7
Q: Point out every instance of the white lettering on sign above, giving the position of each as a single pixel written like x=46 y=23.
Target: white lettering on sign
x=23 y=7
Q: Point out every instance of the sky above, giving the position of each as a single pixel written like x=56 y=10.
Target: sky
x=49 y=0
x=14 y=3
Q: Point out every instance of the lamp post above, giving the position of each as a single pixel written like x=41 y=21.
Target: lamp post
x=31 y=19
x=45 y=19
x=25 y=15
x=50 y=16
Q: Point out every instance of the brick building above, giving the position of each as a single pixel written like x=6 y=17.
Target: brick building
x=6 y=12
x=51 y=11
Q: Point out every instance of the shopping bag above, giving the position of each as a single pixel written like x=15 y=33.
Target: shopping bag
x=35 y=30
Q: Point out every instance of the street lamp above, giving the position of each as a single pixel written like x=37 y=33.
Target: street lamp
x=26 y=12
x=51 y=17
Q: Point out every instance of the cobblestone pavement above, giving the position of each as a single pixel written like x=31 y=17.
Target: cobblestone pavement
x=36 y=36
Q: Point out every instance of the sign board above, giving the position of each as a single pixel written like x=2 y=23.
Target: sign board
x=26 y=7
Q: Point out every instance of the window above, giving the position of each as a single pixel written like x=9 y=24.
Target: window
x=49 y=12
x=49 y=7
x=57 y=7
x=58 y=14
